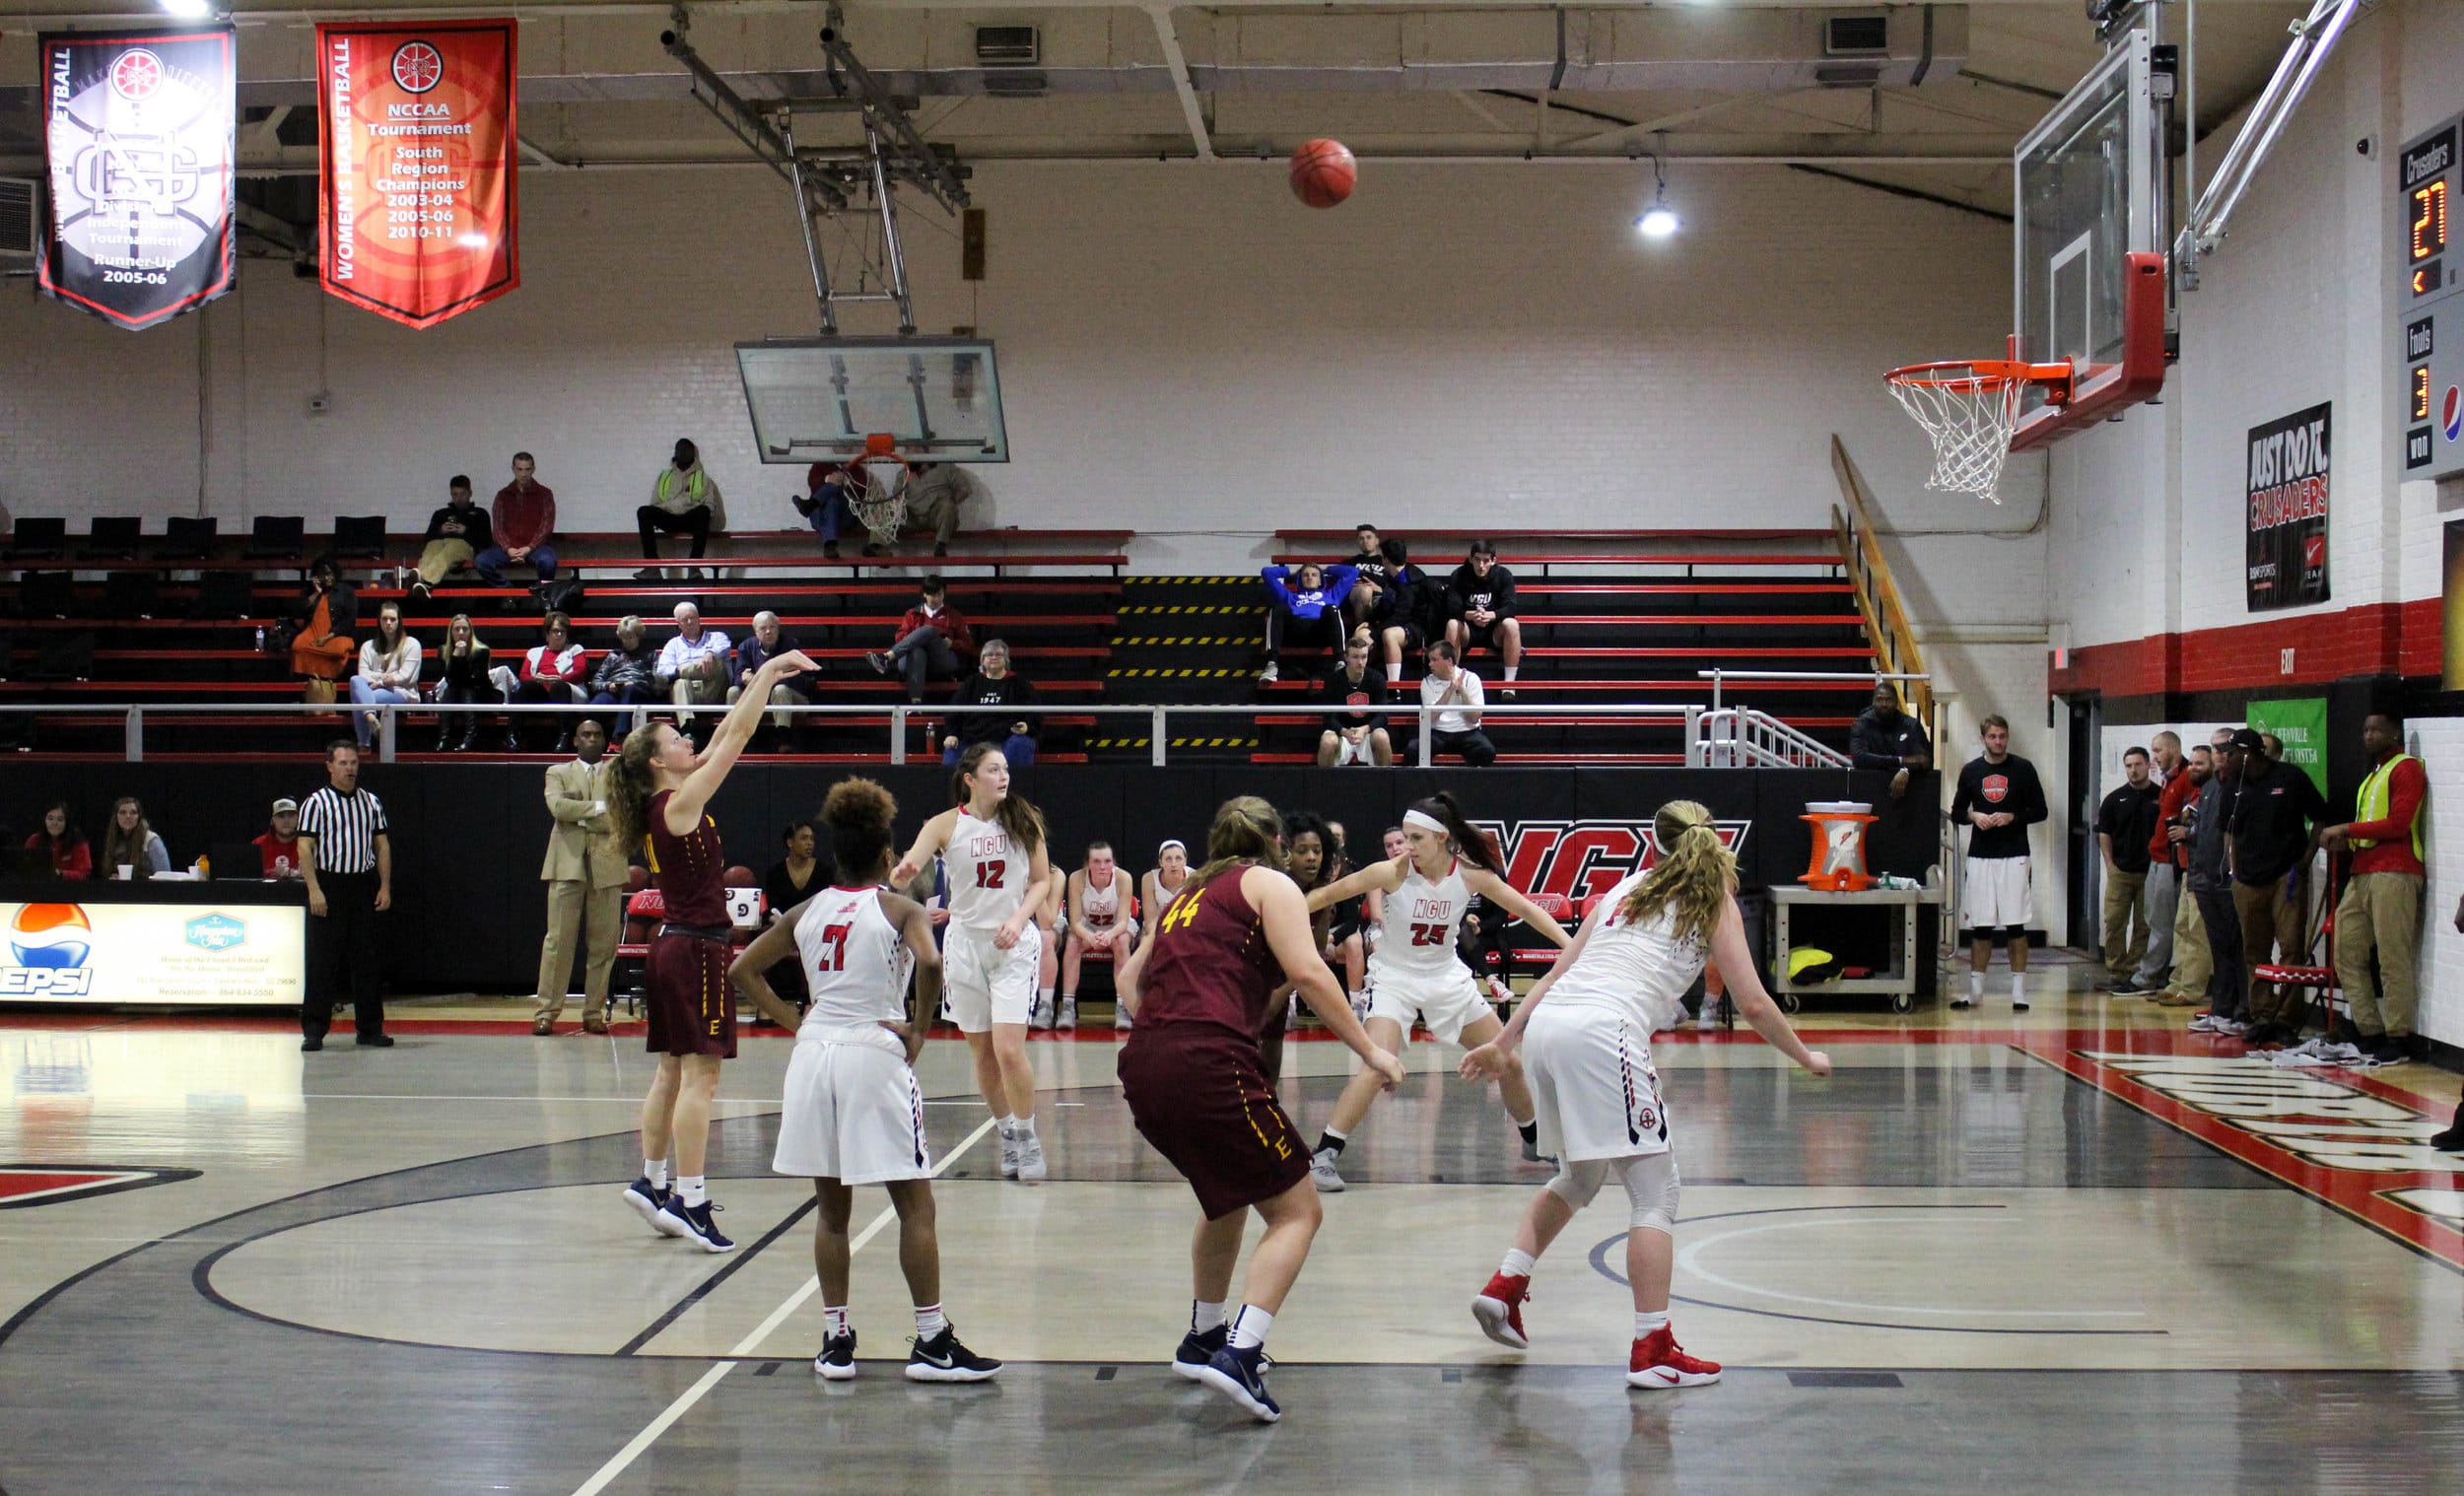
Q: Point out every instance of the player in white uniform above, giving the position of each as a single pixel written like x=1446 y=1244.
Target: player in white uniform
x=1102 y=921
x=1156 y=891
x=992 y=844
x=852 y=1113
x=1585 y=1031
x=1414 y=973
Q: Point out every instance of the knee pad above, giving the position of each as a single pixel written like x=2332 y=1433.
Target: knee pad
x=1576 y=1182
x=1651 y=1191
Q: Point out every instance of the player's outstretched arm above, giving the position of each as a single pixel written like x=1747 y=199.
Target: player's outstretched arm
x=1283 y=915
x=934 y=837
x=1512 y=900
x=1380 y=877
x=726 y=745
x=1736 y=960
x=769 y=948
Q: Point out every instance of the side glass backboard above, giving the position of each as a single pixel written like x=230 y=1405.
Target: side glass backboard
x=814 y=399
x=2087 y=196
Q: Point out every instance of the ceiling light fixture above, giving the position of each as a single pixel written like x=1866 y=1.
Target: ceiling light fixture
x=1657 y=221
x=188 y=10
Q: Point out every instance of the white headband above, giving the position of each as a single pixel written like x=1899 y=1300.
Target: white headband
x=1426 y=822
x=1169 y=844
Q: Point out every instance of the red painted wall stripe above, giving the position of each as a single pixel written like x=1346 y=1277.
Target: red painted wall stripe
x=2371 y=638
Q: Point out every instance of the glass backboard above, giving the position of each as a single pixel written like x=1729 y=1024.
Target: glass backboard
x=813 y=399
x=2089 y=195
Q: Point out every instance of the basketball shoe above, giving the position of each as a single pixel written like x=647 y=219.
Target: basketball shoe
x=695 y=1223
x=1499 y=1309
x=1031 y=1168
x=836 y=1361
x=650 y=1202
x=943 y=1359
x=1659 y=1362
x=1323 y=1174
x=1198 y=1347
x=1240 y=1374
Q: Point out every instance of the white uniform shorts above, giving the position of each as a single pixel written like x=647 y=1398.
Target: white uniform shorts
x=853 y=1111
x=1445 y=1003
x=1594 y=1091
x=1347 y=752
x=984 y=984
x=1996 y=895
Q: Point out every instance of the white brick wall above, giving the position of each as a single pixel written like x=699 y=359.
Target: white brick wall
x=2440 y=744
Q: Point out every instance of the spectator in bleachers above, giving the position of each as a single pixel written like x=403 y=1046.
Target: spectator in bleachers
x=526 y=521
x=389 y=670
x=684 y=500
x=1887 y=739
x=1370 y=573
x=1456 y=727
x=693 y=666
x=466 y=682
x=824 y=507
x=929 y=643
x=1480 y=612
x=993 y=703
x=1411 y=610
x=933 y=498
x=627 y=674
x=456 y=535
x=1304 y=608
x=278 y=845
x=131 y=843
x=1354 y=694
x=61 y=846
x=751 y=654
x=322 y=619
x=553 y=672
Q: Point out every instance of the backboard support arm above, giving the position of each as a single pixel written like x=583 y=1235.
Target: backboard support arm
x=2313 y=38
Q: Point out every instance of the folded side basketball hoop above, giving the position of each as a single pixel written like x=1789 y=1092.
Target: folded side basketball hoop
x=1968 y=409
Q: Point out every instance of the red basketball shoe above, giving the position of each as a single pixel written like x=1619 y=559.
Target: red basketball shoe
x=1659 y=1361
x=1499 y=1309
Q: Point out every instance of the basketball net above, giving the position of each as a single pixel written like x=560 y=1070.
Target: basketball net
x=1970 y=410
x=876 y=490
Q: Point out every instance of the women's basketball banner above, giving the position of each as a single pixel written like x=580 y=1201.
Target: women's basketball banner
x=416 y=144
x=137 y=136
x=2287 y=551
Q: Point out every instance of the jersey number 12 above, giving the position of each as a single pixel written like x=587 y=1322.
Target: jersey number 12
x=990 y=874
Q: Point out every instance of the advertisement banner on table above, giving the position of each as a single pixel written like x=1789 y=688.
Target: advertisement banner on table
x=2287 y=511
x=415 y=140
x=251 y=954
x=138 y=128
x=2300 y=724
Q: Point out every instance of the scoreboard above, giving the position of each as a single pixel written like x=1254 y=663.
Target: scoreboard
x=2430 y=303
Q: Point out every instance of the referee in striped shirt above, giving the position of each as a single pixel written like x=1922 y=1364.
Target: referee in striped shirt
x=348 y=859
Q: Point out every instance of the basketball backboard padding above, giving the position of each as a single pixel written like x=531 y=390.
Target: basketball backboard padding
x=2101 y=387
x=818 y=399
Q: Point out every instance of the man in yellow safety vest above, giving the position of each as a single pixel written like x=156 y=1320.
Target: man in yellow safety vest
x=684 y=500
x=2382 y=907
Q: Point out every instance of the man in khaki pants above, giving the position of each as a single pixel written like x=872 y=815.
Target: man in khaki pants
x=2381 y=908
x=585 y=874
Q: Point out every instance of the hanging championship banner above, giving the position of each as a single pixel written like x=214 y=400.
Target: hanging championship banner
x=2287 y=551
x=137 y=135
x=414 y=141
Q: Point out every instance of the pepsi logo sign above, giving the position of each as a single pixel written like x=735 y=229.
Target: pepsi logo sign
x=48 y=944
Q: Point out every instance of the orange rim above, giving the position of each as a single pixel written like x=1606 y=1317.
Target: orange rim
x=1982 y=377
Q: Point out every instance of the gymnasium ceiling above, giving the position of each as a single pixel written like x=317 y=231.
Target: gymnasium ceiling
x=1714 y=81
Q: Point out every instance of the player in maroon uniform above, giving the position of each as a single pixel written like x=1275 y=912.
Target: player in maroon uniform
x=1191 y=1073
x=658 y=793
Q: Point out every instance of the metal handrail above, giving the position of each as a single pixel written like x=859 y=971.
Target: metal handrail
x=1740 y=737
x=1686 y=713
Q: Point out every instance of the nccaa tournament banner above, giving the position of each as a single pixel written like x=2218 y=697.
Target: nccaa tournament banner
x=138 y=133
x=416 y=144
x=2286 y=507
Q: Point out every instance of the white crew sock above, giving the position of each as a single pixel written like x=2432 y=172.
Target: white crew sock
x=1518 y=1264
x=655 y=1170
x=929 y=1320
x=1976 y=986
x=1043 y=998
x=1510 y=670
x=1025 y=1127
x=834 y=1319
x=2018 y=986
x=1249 y=1331
x=1204 y=1317
x=694 y=1188
x=1645 y=1323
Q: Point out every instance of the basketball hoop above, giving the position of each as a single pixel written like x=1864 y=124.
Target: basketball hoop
x=1970 y=408
x=876 y=489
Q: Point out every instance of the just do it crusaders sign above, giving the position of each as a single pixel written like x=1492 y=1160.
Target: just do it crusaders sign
x=416 y=143
x=2286 y=551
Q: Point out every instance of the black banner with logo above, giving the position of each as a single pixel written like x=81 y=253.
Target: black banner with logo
x=2287 y=511
x=138 y=127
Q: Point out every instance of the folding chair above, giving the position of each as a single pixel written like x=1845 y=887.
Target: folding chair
x=2320 y=980
x=225 y=595
x=46 y=594
x=644 y=910
x=43 y=538
x=115 y=537
x=276 y=538
x=129 y=594
x=360 y=537
x=187 y=538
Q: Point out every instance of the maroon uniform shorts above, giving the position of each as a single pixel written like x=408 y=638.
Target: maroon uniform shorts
x=692 y=1011
x=1198 y=1095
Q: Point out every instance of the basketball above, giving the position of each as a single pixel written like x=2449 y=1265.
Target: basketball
x=1323 y=173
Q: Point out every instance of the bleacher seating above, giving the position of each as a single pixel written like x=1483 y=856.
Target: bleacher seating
x=1609 y=618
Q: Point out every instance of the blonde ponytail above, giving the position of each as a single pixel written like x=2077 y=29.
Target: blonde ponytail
x=630 y=786
x=1693 y=878
x=1247 y=831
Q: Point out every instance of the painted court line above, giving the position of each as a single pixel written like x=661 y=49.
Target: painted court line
x=651 y=1432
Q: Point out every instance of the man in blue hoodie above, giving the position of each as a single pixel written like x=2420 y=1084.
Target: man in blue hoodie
x=1304 y=608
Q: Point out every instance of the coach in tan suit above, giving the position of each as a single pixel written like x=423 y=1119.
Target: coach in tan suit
x=585 y=875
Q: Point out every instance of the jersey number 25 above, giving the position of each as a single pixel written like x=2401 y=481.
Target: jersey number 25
x=1428 y=934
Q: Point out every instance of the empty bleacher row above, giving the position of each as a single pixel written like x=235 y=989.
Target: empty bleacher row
x=1610 y=619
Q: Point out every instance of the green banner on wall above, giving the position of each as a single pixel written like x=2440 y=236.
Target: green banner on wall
x=2302 y=721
